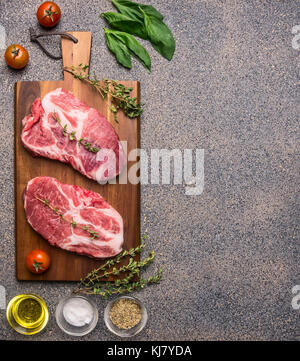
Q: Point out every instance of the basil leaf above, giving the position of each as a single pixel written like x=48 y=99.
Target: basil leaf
x=118 y=48
x=124 y=23
x=137 y=49
x=160 y=36
x=132 y=10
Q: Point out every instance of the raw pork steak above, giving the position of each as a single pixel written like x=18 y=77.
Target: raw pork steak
x=73 y=218
x=60 y=125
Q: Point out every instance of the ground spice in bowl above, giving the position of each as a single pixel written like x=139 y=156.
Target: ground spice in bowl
x=125 y=313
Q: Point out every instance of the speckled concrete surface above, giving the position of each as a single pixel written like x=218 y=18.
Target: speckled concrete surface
x=231 y=255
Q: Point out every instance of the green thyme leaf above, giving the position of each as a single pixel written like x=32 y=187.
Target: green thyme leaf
x=96 y=281
x=94 y=149
x=120 y=95
x=72 y=136
x=113 y=108
x=65 y=130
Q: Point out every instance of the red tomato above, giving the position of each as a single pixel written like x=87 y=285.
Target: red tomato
x=16 y=56
x=37 y=261
x=48 y=14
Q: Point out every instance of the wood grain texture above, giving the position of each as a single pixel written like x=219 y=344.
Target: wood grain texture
x=125 y=198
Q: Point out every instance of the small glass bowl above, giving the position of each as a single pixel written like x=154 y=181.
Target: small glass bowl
x=17 y=324
x=69 y=328
x=131 y=331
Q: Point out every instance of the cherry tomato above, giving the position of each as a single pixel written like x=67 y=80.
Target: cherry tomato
x=37 y=261
x=48 y=14
x=16 y=56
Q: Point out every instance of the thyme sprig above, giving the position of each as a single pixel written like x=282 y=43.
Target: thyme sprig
x=74 y=224
x=114 y=261
x=120 y=95
x=72 y=136
x=96 y=281
x=109 y=289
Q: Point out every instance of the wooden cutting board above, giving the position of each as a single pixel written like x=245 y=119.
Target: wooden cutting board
x=125 y=198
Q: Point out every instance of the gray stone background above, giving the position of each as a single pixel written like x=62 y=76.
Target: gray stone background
x=231 y=255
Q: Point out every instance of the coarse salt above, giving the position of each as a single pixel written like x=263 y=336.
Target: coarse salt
x=78 y=312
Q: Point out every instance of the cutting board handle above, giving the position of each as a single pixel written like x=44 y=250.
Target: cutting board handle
x=75 y=54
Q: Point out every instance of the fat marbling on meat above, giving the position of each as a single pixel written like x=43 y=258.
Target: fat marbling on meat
x=44 y=136
x=68 y=216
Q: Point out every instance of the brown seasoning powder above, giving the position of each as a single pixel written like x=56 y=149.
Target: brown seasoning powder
x=125 y=313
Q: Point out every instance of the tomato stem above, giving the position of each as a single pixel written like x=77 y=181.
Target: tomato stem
x=37 y=266
x=15 y=51
x=49 y=12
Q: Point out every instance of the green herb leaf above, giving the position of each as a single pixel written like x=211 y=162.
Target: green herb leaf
x=124 y=23
x=160 y=36
x=65 y=130
x=72 y=135
x=96 y=282
x=94 y=149
x=132 y=9
x=113 y=109
x=137 y=49
x=120 y=95
x=118 y=48
x=87 y=145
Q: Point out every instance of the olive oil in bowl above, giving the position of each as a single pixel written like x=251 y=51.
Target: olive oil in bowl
x=27 y=314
